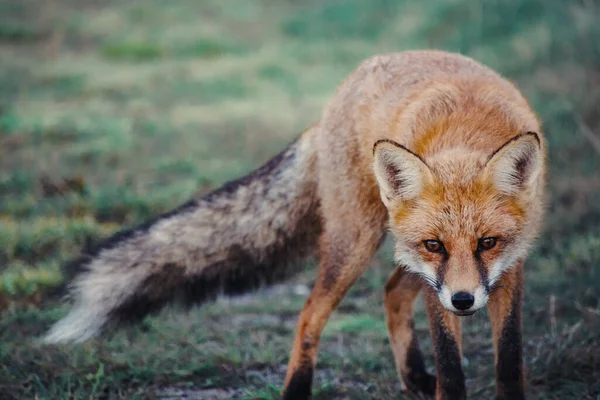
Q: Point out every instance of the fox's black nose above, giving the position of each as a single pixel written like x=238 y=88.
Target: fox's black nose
x=462 y=300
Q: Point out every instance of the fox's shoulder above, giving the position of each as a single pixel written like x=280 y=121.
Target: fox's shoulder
x=399 y=78
x=418 y=66
x=426 y=100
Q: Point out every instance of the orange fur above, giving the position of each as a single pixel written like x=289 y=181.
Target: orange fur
x=453 y=163
x=433 y=147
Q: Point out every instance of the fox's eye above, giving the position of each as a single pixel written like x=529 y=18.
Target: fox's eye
x=434 y=246
x=487 y=243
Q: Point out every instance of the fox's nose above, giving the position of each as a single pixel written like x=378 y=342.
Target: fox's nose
x=462 y=300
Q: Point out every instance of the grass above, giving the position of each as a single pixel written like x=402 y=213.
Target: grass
x=113 y=113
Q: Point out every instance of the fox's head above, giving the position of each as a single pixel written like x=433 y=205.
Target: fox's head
x=461 y=218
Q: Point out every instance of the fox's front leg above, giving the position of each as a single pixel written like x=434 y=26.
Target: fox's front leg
x=505 y=314
x=445 y=328
x=401 y=291
x=345 y=255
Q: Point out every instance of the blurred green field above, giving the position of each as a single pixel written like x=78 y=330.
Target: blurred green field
x=114 y=111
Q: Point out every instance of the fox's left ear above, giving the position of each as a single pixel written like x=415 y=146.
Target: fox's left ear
x=516 y=165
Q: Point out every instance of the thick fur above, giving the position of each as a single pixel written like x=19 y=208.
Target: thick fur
x=428 y=145
x=247 y=233
x=425 y=145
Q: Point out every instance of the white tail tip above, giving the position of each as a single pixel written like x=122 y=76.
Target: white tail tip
x=78 y=326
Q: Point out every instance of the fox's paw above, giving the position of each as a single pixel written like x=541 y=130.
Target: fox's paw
x=419 y=383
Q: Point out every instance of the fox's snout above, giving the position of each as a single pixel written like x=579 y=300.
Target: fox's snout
x=463 y=302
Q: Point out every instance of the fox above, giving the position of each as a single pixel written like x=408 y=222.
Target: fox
x=431 y=146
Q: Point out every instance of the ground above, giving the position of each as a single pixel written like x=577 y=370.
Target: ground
x=114 y=111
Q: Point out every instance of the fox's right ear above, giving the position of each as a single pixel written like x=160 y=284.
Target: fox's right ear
x=400 y=173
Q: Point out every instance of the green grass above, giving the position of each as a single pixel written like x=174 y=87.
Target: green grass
x=111 y=114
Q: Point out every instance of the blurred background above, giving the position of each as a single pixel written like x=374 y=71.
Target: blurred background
x=114 y=111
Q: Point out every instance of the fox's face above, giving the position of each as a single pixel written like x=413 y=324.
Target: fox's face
x=460 y=218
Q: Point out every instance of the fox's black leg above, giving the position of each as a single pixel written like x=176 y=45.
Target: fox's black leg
x=505 y=314
x=445 y=330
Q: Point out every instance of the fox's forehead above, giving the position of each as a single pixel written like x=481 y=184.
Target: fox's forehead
x=464 y=211
x=457 y=166
x=458 y=211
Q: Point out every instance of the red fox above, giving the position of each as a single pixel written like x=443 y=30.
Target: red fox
x=432 y=146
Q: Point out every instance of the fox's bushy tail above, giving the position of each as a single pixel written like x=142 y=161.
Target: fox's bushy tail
x=243 y=235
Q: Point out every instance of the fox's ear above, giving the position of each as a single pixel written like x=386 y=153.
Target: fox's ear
x=516 y=165
x=400 y=173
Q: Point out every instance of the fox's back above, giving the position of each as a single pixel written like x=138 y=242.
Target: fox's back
x=428 y=101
